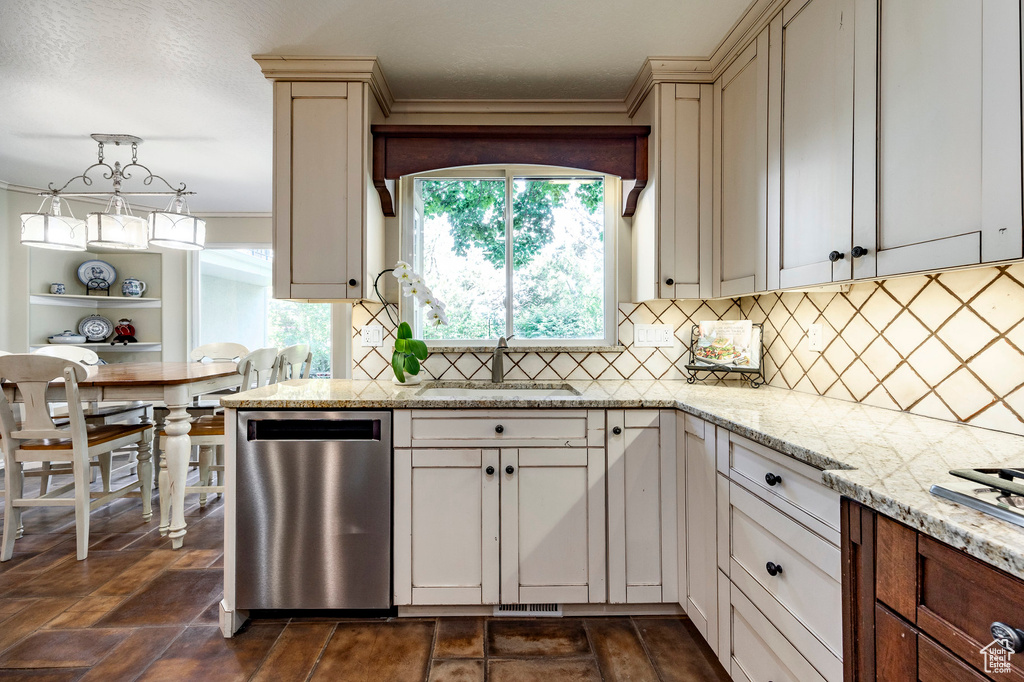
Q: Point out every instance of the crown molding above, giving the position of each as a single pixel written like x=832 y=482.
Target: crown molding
x=318 y=68
x=667 y=70
x=508 y=106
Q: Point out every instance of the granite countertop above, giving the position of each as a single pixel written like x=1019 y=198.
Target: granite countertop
x=882 y=458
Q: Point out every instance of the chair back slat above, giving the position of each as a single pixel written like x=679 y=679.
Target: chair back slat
x=218 y=352
x=32 y=375
x=258 y=368
x=294 y=362
x=87 y=356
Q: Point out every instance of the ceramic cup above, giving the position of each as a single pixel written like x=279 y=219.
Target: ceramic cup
x=57 y=288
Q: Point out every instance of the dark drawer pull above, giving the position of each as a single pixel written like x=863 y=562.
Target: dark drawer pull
x=670 y=281
x=490 y=471
x=509 y=469
x=836 y=255
x=1009 y=638
x=772 y=479
x=858 y=252
x=352 y=282
x=499 y=429
x=616 y=430
x=773 y=569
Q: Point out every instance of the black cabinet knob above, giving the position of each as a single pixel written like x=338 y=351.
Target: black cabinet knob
x=858 y=251
x=617 y=430
x=670 y=281
x=490 y=471
x=509 y=469
x=773 y=569
x=836 y=255
x=1009 y=638
x=772 y=479
x=352 y=282
x=499 y=429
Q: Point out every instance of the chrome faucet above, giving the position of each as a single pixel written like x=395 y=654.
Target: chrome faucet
x=498 y=360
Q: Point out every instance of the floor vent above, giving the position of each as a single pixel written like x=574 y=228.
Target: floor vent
x=531 y=610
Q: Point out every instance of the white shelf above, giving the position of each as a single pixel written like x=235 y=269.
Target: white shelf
x=140 y=347
x=95 y=302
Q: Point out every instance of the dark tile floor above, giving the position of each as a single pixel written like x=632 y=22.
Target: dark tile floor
x=135 y=609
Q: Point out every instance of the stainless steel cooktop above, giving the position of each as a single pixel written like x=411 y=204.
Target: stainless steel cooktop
x=995 y=491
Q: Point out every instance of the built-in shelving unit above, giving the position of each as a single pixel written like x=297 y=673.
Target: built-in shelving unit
x=105 y=347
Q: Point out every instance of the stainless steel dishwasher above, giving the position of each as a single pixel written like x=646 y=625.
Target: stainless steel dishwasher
x=313 y=501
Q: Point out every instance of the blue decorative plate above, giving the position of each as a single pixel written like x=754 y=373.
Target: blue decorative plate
x=95 y=328
x=92 y=270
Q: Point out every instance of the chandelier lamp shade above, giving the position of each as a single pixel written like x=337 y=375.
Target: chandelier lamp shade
x=52 y=230
x=116 y=227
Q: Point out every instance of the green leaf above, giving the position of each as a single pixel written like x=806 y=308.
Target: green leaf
x=417 y=348
x=412 y=365
x=404 y=331
x=397 y=364
x=401 y=345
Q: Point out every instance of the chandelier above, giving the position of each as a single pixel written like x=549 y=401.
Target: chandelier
x=116 y=227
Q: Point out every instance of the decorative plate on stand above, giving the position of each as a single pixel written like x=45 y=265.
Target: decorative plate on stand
x=96 y=328
x=92 y=270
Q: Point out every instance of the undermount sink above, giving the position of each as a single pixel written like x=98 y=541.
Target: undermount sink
x=504 y=390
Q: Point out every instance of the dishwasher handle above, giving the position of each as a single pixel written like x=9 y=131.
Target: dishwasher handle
x=313 y=430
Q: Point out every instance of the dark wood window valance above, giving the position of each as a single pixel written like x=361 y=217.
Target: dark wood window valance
x=403 y=150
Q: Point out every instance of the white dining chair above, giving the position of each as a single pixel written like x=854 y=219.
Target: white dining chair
x=218 y=352
x=257 y=368
x=293 y=363
x=39 y=439
x=135 y=412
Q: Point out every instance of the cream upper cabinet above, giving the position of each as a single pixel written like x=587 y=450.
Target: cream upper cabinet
x=672 y=223
x=810 y=143
x=328 y=223
x=938 y=134
x=740 y=241
x=642 y=518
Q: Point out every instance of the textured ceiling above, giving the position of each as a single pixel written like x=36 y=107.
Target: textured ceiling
x=179 y=73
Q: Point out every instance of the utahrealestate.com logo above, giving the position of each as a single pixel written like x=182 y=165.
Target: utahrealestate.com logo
x=997 y=656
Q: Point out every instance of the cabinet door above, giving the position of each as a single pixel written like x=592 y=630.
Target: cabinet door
x=811 y=142
x=321 y=159
x=740 y=253
x=552 y=525
x=642 y=531
x=450 y=547
x=938 y=143
x=672 y=224
x=700 y=598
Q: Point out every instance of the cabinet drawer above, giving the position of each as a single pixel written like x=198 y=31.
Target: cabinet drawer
x=760 y=651
x=796 y=488
x=804 y=600
x=949 y=580
x=505 y=428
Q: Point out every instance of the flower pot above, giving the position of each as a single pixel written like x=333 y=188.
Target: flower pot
x=410 y=379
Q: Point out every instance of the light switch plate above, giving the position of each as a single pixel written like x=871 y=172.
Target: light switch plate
x=815 y=340
x=653 y=335
x=373 y=335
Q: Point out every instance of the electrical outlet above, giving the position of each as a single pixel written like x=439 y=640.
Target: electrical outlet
x=815 y=338
x=373 y=335
x=653 y=335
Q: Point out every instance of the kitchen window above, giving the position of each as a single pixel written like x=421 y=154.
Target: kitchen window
x=521 y=251
x=234 y=302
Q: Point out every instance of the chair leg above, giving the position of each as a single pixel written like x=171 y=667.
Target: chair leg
x=145 y=473
x=81 y=473
x=14 y=484
x=220 y=463
x=44 y=479
x=105 y=460
x=206 y=456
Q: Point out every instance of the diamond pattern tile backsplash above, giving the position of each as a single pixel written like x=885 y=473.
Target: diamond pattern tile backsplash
x=947 y=345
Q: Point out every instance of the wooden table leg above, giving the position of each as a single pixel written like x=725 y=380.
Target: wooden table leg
x=173 y=475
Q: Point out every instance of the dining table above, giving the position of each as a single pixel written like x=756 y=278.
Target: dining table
x=173 y=383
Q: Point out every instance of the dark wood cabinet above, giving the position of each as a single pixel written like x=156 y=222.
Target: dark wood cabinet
x=917 y=609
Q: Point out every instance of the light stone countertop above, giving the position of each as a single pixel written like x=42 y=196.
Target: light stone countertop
x=882 y=458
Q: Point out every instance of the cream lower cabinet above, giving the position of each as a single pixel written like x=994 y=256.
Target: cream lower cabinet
x=499 y=507
x=642 y=538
